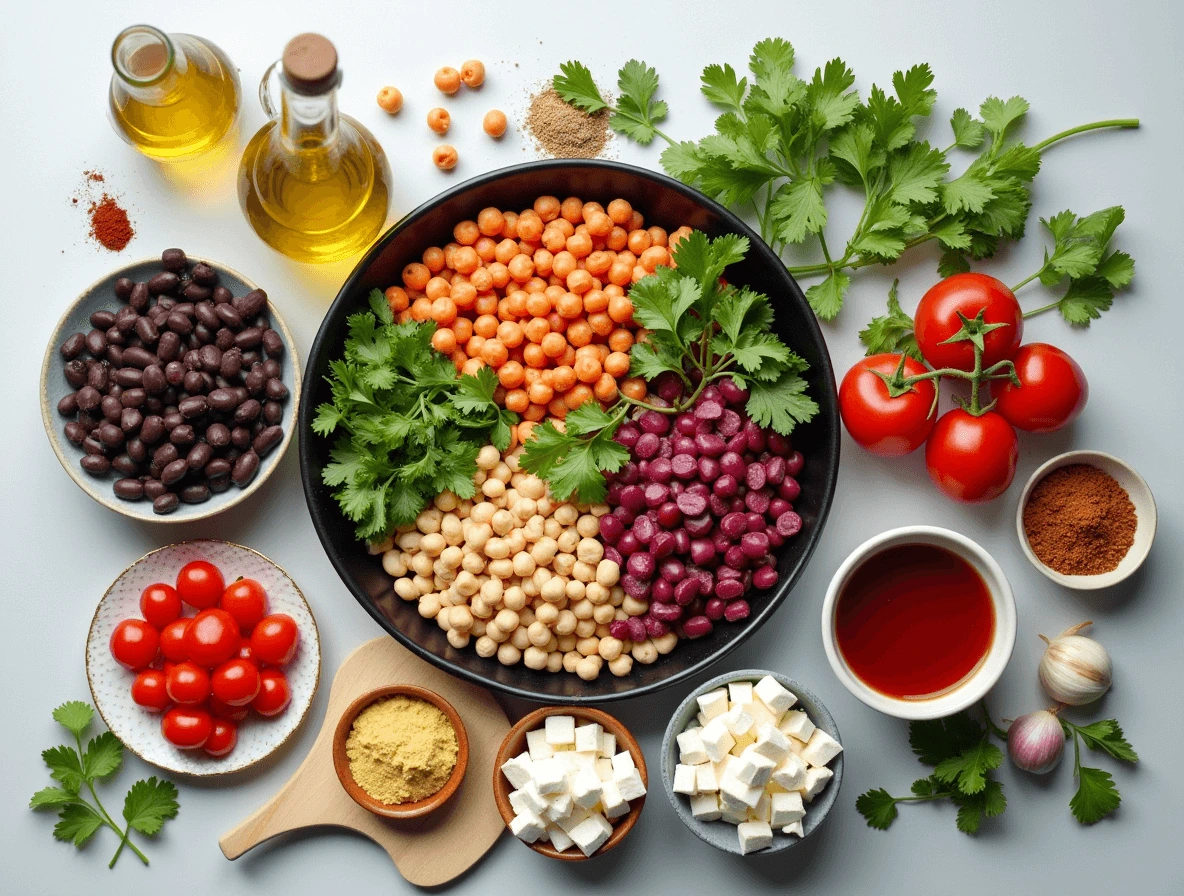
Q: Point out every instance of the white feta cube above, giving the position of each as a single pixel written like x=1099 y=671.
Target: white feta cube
x=761 y=714
x=608 y=744
x=717 y=739
x=530 y=798
x=713 y=703
x=740 y=692
x=623 y=762
x=589 y=835
x=560 y=730
x=764 y=808
x=795 y=829
x=587 y=738
x=786 y=809
x=821 y=748
x=795 y=746
x=685 y=780
x=690 y=747
x=701 y=719
x=630 y=785
x=816 y=780
x=559 y=838
x=791 y=773
x=518 y=802
x=734 y=792
x=550 y=775
x=754 y=835
x=586 y=788
x=536 y=743
x=566 y=824
x=517 y=769
x=738 y=721
x=773 y=695
x=721 y=767
x=753 y=768
x=611 y=801
x=705 y=781
x=797 y=724
x=559 y=806
x=705 y=807
x=604 y=769
x=527 y=827
x=771 y=742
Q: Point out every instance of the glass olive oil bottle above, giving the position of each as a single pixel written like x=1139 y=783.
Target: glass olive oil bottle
x=313 y=183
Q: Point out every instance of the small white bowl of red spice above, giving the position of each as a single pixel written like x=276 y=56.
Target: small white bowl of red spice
x=919 y=622
x=1086 y=519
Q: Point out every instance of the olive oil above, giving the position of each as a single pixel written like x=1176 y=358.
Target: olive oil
x=172 y=96
x=314 y=184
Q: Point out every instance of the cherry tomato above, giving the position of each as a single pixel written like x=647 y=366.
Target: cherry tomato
x=972 y=458
x=937 y=320
x=160 y=604
x=884 y=425
x=172 y=640
x=275 y=639
x=134 y=644
x=1053 y=393
x=186 y=727
x=220 y=710
x=200 y=584
x=223 y=737
x=274 y=693
x=212 y=638
x=187 y=683
x=246 y=601
x=236 y=682
x=148 y=690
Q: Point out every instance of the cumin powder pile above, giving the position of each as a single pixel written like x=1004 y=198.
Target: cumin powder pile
x=401 y=749
x=563 y=131
x=1080 y=521
x=109 y=224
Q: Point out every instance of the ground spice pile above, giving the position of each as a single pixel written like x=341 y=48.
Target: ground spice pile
x=109 y=224
x=563 y=131
x=1080 y=521
x=401 y=749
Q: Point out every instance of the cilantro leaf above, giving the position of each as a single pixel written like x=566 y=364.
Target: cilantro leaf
x=799 y=209
x=474 y=392
x=65 y=767
x=935 y=740
x=878 y=807
x=1085 y=300
x=149 y=804
x=968 y=130
x=999 y=115
x=78 y=823
x=1096 y=795
x=1106 y=736
x=52 y=796
x=636 y=112
x=780 y=404
x=572 y=464
x=989 y=802
x=968 y=770
x=722 y=87
x=826 y=298
x=75 y=716
x=660 y=301
x=892 y=332
x=103 y=756
x=575 y=85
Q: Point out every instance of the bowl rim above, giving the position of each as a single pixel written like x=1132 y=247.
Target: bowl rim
x=530 y=721
x=88 y=484
x=417 y=808
x=310 y=476
x=1144 y=501
x=669 y=745
x=213 y=772
x=995 y=661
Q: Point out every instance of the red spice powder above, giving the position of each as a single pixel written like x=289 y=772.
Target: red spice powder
x=109 y=223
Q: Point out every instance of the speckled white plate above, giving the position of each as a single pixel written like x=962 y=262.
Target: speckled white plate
x=110 y=683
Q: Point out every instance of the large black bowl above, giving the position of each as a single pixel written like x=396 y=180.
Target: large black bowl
x=664 y=202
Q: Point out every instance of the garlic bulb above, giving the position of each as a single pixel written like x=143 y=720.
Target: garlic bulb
x=1075 y=670
x=1036 y=741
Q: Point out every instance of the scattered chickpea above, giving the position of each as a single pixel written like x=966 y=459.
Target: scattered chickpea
x=447 y=80
x=494 y=123
x=439 y=120
x=444 y=157
x=390 y=99
x=472 y=73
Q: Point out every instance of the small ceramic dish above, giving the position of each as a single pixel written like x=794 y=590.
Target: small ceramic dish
x=720 y=834
x=1145 y=516
x=399 y=810
x=515 y=743
x=110 y=683
x=100 y=296
x=978 y=682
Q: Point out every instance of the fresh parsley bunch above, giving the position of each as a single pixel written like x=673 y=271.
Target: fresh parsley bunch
x=146 y=807
x=781 y=143
x=696 y=325
x=410 y=428
x=1096 y=795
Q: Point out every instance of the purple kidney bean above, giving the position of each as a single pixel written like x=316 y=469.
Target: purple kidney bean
x=660 y=469
x=686 y=591
x=656 y=494
x=647 y=445
x=627 y=544
x=736 y=610
x=718 y=506
x=789 y=524
x=662 y=544
x=735 y=558
x=729 y=589
x=765 y=578
x=794 y=463
x=714 y=608
x=636 y=629
x=644 y=529
x=661 y=591
x=754 y=476
x=692 y=505
x=779 y=444
x=685 y=424
x=702 y=551
x=725 y=486
x=633 y=498
x=654 y=627
x=641 y=565
x=732 y=393
x=697 y=526
x=684 y=466
x=611 y=528
x=652 y=421
x=619 y=629
x=755 y=544
x=684 y=445
x=682 y=540
x=757 y=502
x=669 y=516
x=697 y=627
x=733 y=525
x=611 y=553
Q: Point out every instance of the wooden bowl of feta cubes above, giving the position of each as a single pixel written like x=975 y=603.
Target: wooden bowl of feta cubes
x=570 y=782
x=752 y=762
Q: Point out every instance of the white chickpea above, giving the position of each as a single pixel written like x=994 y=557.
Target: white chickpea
x=534 y=658
x=451 y=556
x=458 y=639
x=588 y=646
x=645 y=652
x=570 y=660
x=621 y=666
x=552 y=645
x=532 y=487
x=596 y=593
x=602 y=630
x=483 y=512
x=552 y=590
x=506 y=620
x=514 y=598
x=563 y=564
x=543 y=551
x=479 y=478
x=511 y=498
x=608 y=573
x=486 y=646
x=478 y=536
x=589 y=668
x=589 y=550
x=551 y=527
x=443 y=618
x=502 y=522
x=392 y=562
x=478 y=628
x=443 y=575
x=525 y=508
x=548 y=614
x=585 y=628
x=452 y=529
x=588 y=526
x=517 y=541
x=530 y=588
x=495 y=632
x=519 y=638
x=501 y=569
x=508 y=654
x=534 y=528
x=446 y=501
x=538 y=633
x=409 y=541
x=603 y=614
x=406 y=589
x=491 y=590
x=380 y=547
x=583 y=609
x=502 y=472
x=566 y=624
x=424 y=584
x=566 y=515
x=433 y=543
x=421 y=564
x=461 y=618
x=616 y=595
x=493 y=488
x=567 y=540
x=464 y=508
x=488 y=458
x=585 y=572
x=554 y=661
x=666 y=643
x=466 y=584
x=429 y=606
x=634 y=607
x=497 y=549
x=609 y=648
x=473 y=563
x=428 y=521
x=566 y=643
x=525 y=615
x=575 y=589
x=546 y=505
x=541 y=576
x=524 y=565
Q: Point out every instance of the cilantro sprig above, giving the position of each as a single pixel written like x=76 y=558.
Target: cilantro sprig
x=1096 y=795
x=696 y=324
x=409 y=428
x=146 y=807
x=781 y=143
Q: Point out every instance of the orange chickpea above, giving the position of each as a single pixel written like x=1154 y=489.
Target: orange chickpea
x=516 y=302
x=595 y=301
x=447 y=80
x=390 y=100
x=620 y=309
x=494 y=353
x=618 y=239
x=557 y=407
x=557 y=322
x=613 y=290
x=471 y=366
x=490 y=221
x=563 y=264
x=620 y=211
x=657 y=236
x=474 y=345
x=396 y=297
x=464 y=295
x=505 y=251
x=580 y=282
x=433 y=259
x=530 y=227
x=588 y=370
x=532 y=375
x=535 y=329
x=485 y=326
x=636 y=221
x=538 y=305
x=510 y=374
x=525 y=431
x=577 y=395
x=485 y=247
x=678 y=236
x=443 y=311
x=638 y=273
x=569 y=305
x=553 y=345
x=563 y=378
x=554 y=292
x=404 y=316
x=494 y=123
x=482 y=279
x=639 y=241
x=599 y=224
x=444 y=341
x=534 y=413
x=579 y=333
x=634 y=388
x=599 y=262
x=445 y=157
x=579 y=245
x=616 y=364
x=486 y=304
x=421 y=309
x=535 y=356
x=510 y=334
x=547 y=208
x=540 y=393
x=437 y=287
x=620 y=340
x=621 y=273
x=572 y=209
x=654 y=256
x=466 y=260
x=499 y=394
x=510 y=228
x=553 y=239
x=463 y=328
x=472 y=73
x=602 y=325
x=499 y=274
x=568 y=358
x=517 y=400
x=439 y=120
x=416 y=276
x=458 y=359
x=543 y=260
x=605 y=388
x=521 y=267
x=564 y=226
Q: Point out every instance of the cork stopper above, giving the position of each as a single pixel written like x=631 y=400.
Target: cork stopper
x=310 y=64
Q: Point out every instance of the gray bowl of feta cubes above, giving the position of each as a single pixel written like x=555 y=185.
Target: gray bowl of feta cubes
x=752 y=762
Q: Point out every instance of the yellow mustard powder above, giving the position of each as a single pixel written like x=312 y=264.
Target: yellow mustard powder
x=401 y=749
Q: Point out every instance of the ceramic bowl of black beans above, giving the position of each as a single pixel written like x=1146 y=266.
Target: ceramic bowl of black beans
x=169 y=389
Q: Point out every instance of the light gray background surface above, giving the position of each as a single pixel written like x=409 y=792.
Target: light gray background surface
x=1075 y=62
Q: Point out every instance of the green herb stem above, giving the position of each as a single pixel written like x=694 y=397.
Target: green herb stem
x=1083 y=128
x=1049 y=307
x=995 y=729
x=106 y=816
x=1026 y=281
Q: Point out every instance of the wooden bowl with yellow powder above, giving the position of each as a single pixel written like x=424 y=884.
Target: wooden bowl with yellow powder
x=400 y=751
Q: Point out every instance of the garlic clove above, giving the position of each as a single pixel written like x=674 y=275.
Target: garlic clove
x=1036 y=741
x=1074 y=669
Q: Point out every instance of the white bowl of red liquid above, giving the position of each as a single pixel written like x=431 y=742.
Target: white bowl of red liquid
x=919 y=622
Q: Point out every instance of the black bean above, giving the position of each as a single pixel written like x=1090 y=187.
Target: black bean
x=222 y=295
x=164 y=282
x=232 y=364
x=152 y=429
x=207 y=382
x=203 y=335
x=204 y=274
x=185 y=308
x=273 y=412
x=272 y=369
x=250 y=304
x=173 y=260
x=147 y=330
x=154 y=380
x=245 y=468
x=138 y=297
x=276 y=390
x=73 y=346
x=75 y=432
x=218 y=435
x=197 y=493
x=123 y=288
x=129 y=489
x=139 y=357
x=92 y=445
x=131 y=420
x=240 y=438
x=273 y=343
x=267 y=439
x=68 y=405
x=115 y=355
x=158 y=315
x=195 y=292
x=248 y=338
x=169 y=346
x=174 y=472
x=219 y=484
x=136 y=450
x=223 y=400
x=192 y=360
x=97 y=375
x=154 y=488
x=166 y=303
x=229 y=316
x=115 y=390
x=192 y=382
x=247 y=411
x=219 y=466
x=240 y=392
x=204 y=312
x=251 y=358
x=76 y=371
x=165 y=455
x=89 y=420
x=165 y=503
x=115 y=337
x=124 y=464
x=262 y=321
x=194 y=406
x=183 y=436
x=133 y=398
x=112 y=408
x=96 y=343
x=224 y=339
x=174 y=373
x=199 y=455
x=125 y=319
x=255 y=381
x=88 y=398
x=128 y=377
x=172 y=419
x=102 y=320
x=152 y=405
x=211 y=358
x=179 y=323
x=111 y=435
x=95 y=464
